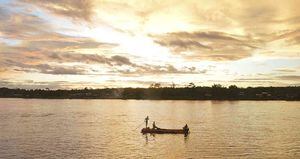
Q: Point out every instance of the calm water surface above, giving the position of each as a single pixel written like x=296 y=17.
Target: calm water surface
x=39 y=128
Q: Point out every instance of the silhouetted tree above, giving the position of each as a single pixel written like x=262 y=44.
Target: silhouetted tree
x=191 y=85
x=216 y=86
x=217 y=91
x=233 y=92
x=232 y=87
x=157 y=85
x=173 y=85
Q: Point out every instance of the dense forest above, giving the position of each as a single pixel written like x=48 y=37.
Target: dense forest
x=191 y=92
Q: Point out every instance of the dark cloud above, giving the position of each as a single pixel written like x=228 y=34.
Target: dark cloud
x=39 y=43
x=45 y=68
x=269 y=79
x=254 y=79
x=117 y=62
x=206 y=35
x=291 y=37
x=67 y=42
x=216 y=46
x=121 y=60
x=288 y=70
x=76 y=9
x=289 y=77
x=296 y=40
x=89 y=59
x=182 y=45
x=147 y=69
x=59 y=70
x=35 y=62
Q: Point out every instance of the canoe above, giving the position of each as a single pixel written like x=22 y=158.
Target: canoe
x=164 y=131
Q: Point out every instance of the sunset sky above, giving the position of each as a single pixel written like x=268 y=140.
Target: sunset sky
x=63 y=44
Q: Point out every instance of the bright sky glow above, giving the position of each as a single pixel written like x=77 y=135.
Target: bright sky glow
x=114 y=43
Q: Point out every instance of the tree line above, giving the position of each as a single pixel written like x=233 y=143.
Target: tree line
x=155 y=91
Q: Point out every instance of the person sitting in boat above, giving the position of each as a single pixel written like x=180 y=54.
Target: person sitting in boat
x=186 y=128
x=154 y=126
x=146 y=120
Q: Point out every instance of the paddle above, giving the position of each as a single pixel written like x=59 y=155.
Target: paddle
x=139 y=125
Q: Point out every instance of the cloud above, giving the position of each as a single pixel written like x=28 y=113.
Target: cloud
x=147 y=69
x=253 y=79
x=58 y=37
x=21 y=25
x=291 y=37
x=36 y=33
x=181 y=45
x=289 y=77
x=121 y=60
x=39 y=42
x=216 y=46
x=24 y=57
x=67 y=42
x=31 y=84
x=59 y=70
x=76 y=9
x=46 y=69
x=89 y=59
x=287 y=70
x=123 y=65
x=35 y=62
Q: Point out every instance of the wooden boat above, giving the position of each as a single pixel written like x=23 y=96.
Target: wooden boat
x=164 y=131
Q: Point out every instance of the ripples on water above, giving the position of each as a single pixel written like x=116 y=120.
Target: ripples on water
x=32 y=128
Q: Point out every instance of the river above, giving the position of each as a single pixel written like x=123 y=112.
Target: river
x=42 y=128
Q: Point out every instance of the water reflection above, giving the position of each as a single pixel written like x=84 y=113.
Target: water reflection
x=146 y=138
x=186 y=138
x=149 y=137
x=111 y=129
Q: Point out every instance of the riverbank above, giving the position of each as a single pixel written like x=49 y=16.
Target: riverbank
x=167 y=93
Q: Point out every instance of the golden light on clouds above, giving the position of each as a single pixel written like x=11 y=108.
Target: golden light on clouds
x=114 y=43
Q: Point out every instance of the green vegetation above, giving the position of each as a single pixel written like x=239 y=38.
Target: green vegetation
x=155 y=91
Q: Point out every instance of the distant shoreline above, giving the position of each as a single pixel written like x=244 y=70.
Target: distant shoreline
x=155 y=99
x=216 y=92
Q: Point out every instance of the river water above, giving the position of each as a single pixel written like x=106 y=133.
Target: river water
x=41 y=128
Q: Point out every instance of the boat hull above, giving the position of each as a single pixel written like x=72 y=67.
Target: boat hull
x=164 y=131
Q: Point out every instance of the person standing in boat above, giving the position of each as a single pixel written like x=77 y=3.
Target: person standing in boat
x=146 y=121
x=186 y=128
